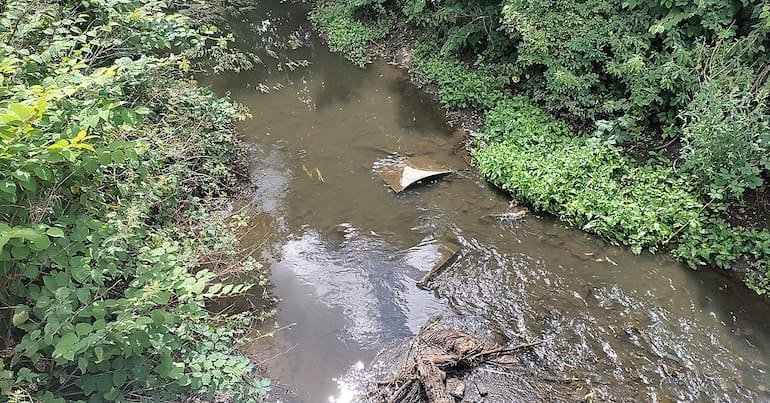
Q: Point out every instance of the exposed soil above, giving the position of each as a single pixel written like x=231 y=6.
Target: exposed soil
x=752 y=211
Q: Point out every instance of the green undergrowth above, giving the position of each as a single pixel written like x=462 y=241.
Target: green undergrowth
x=114 y=167
x=714 y=242
x=584 y=182
x=458 y=87
x=347 y=32
x=590 y=183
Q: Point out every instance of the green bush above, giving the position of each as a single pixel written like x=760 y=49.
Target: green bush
x=584 y=182
x=458 y=87
x=631 y=62
x=726 y=125
x=714 y=242
x=346 y=33
x=111 y=169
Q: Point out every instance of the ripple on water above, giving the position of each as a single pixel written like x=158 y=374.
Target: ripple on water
x=346 y=251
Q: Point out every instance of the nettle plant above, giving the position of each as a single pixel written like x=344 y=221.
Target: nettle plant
x=109 y=162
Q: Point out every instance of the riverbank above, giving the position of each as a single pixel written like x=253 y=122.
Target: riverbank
x=588 y=180
x=116 y=168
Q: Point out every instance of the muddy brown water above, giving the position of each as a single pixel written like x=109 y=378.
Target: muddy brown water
x=346 y=251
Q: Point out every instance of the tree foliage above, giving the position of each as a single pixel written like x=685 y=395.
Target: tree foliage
x=110 y=164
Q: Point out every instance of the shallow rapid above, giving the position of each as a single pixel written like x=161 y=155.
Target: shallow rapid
x=346 y=251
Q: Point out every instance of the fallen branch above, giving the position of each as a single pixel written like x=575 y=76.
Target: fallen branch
x=432 y=354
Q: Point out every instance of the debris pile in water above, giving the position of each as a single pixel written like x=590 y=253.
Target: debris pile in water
x=446 y=365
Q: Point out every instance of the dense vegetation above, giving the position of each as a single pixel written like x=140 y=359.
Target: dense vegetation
x=647 y=123
x=114 y=165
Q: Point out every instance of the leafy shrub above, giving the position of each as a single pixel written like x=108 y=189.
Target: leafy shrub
x=636 y=61
x=610 y=59
x=348 y=34
x=458 y=26
x=726 y=128
x=111 y=168
x=458 y=86
x=583 y=182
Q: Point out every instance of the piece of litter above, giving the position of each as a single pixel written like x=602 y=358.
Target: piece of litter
x=411 y=171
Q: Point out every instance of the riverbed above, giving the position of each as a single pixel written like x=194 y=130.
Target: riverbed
x=346 y=251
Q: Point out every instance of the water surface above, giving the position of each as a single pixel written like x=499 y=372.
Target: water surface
x=346 y=251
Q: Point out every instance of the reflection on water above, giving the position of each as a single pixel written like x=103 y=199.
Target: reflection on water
x=347 y=251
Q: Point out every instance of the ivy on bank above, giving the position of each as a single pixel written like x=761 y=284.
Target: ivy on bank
x=582 y=181
x=112 y=165
x=348 y=34
x=588 y=182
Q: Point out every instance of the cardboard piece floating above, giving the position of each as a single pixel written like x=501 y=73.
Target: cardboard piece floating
x=411 y=171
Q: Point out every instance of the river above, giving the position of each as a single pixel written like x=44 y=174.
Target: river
x=345 y=251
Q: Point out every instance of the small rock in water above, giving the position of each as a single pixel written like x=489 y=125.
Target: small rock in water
x=480 y=387
x=510 y=215
x=448 y=248
x=455 y=387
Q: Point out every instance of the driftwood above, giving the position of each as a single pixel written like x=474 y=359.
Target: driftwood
x=433 y=353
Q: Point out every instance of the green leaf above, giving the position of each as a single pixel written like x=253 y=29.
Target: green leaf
x=176 y=371
x=25 y=179
x=82 y=329
x=19 y=317
x=41 y=242
x=119 y=377
x=4 y=238
x=80 y=272
x=105 y=158
x=215 y=288
x=100 y=324
x=24 y=112
x=42 y=172
x=118 y=156
x=83 y=295
x=55 y=232
x=30 y=271
x=20 y=252
x=82 y=364
x=64 y=348
x=142 y=110
x=198 y=286
x=8 y=187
